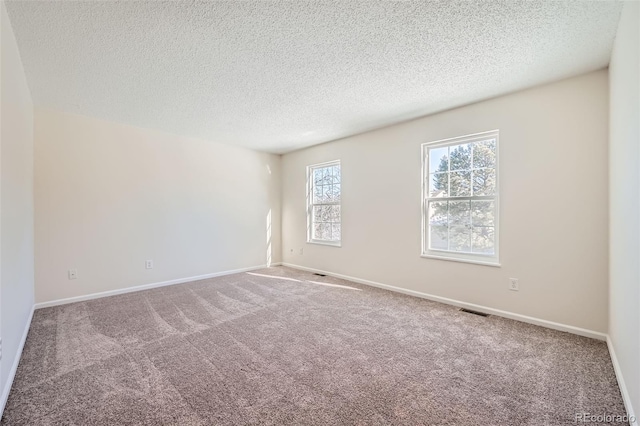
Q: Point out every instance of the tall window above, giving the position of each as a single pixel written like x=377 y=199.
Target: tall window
x=460 y=198
x=323 y=203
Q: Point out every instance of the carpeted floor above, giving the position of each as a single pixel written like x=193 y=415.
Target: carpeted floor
x=280 y=346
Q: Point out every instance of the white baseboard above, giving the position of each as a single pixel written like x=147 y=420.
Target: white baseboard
x=518 y=317
x=14 y=366
x=623 y=387
x=145 y=287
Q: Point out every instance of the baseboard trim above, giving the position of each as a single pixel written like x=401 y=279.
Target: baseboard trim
x=14 y=367
x=505 y=314
x=621 y=384
x=145 y=287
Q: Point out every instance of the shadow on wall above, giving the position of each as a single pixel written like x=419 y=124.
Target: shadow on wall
x=269 y=238
x=269 y=220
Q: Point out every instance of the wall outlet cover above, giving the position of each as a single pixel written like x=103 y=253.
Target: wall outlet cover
x=513 y=284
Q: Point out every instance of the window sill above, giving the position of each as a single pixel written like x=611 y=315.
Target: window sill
x=326 y=243
x=495 y=264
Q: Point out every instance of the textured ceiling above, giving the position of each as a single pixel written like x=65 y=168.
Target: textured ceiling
x=277 y=76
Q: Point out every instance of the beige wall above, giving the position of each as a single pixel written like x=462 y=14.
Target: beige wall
x=16 y=204
x=553 y=205
x=624 y=317
x=110 y=196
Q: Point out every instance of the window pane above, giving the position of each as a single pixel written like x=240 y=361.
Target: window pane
x=459 y=213
x=438 y=239
x=484 y=182
x=460 y=185
x=459 y=238
x=326 y=193
x=326 y=230
x=438 y=213
x=460 y=157
x=336 y=192
x=326 y=213
x=483 y=239
x=333 y=213
x=484 y=154
x=439 y=159
x=460 y=190
x=317 y=194
x=317 y=214
x=322 y=231
x=482 y=213
x=335 y=231
x=324 y=199
x=439 y=185
x=335 y=174
x=317 y=231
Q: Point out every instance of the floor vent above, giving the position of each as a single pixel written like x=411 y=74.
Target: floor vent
x=320 y=275
x=469 y=311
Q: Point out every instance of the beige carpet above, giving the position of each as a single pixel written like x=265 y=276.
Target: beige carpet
x=281 y=346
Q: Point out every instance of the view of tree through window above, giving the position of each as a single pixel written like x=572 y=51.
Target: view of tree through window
x=461 y=197
x=324 y=202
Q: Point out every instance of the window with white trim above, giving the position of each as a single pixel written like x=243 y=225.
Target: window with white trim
x=323 y=203
x=460 y=198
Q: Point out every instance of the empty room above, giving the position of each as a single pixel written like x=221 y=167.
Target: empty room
x=320 y=212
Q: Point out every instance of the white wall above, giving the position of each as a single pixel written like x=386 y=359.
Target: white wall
x=553 y=204
x=109 y=196
x=624 y=210
x=16 y=204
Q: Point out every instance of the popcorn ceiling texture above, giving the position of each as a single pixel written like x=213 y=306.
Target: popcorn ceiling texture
x=277 y=76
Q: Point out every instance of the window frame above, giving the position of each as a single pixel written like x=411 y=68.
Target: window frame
x=476 y=258
x=311 y=204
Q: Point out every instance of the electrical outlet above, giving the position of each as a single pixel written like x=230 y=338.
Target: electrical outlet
x=148 y=264
x=301 y=251
x=513 y=284
x=73 y=274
